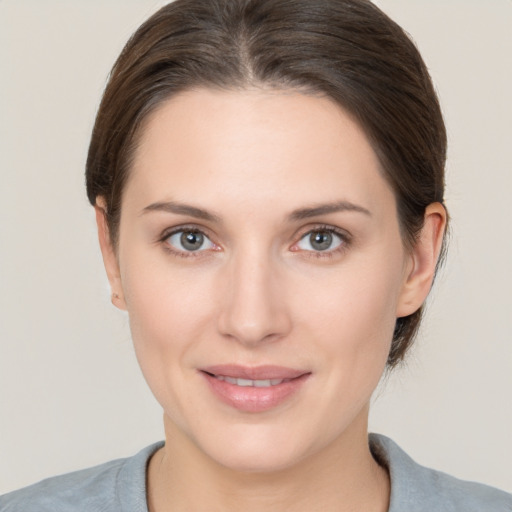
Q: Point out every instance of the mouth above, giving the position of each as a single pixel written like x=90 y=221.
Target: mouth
x=254 y=389
x=263 y=383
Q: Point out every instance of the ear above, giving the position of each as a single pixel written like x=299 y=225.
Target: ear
x=109 y=254
x=422 y=261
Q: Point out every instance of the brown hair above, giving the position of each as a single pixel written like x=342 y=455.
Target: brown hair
x=347 y=50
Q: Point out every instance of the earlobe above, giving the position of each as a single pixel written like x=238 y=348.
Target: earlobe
x=109 y=254
x=423 y=261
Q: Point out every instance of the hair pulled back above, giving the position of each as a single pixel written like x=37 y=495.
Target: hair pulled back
x=347 y=50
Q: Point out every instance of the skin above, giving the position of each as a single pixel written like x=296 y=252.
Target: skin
x=257 y=292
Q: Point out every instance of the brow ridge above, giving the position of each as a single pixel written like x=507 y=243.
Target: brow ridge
x=296 y=215
x=324 y=209
x=181 y=209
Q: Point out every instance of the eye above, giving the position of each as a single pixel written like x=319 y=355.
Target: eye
x=320 y=240
x=188 y=240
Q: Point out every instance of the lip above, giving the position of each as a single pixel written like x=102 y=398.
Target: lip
x=254 y=372
x=250 y=398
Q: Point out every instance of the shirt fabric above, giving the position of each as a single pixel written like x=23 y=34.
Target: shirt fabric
x=120 y=486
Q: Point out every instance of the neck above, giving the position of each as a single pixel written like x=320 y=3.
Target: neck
x=342 y=477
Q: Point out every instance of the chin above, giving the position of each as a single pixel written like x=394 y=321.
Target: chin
x=261 y=460
x=256 y=449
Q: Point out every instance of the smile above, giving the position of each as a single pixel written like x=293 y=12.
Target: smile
x=265 y=383
x=254 y=389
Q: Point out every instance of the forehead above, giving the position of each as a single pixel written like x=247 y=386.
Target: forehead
x=254 y=147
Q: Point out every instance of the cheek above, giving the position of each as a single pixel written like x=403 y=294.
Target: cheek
x=169 y=312
x=352 y=312
x=160 y=298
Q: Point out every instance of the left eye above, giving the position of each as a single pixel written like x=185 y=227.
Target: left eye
x=190 y=241
x=320 y=240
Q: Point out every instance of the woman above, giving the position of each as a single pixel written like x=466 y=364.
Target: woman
x=268 y=184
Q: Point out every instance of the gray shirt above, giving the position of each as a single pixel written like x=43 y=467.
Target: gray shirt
x=120 y=486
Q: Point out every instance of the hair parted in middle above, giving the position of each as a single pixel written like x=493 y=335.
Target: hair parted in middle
x=346 y=50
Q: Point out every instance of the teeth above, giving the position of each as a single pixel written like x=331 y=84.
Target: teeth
x=243 y=382
x=262 y=383
x=254 y=383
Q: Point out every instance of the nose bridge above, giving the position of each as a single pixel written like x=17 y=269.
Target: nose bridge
x=254 y=307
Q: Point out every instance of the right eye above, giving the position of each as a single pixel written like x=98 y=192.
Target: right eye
x=189 y=240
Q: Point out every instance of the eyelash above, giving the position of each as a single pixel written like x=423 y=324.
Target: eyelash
x=182 y=229
x=329 y=253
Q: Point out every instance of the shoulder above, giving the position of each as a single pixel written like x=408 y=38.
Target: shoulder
x=415 y=488
x=101 y=488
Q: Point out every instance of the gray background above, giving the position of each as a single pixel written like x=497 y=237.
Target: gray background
x=71 y=394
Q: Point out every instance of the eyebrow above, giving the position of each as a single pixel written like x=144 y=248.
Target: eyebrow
x=181 y=209
x=296 y=215
x=324 y=209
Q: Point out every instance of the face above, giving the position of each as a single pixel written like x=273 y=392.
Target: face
x=261 y=264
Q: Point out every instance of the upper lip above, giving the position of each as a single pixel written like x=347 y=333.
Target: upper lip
x=265 y=372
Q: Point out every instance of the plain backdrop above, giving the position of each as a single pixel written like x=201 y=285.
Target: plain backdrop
x=71 y=393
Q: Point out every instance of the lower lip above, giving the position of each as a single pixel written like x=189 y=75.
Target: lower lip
x=251 y=398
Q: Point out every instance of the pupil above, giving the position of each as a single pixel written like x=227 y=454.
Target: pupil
x=321 y=240
x=192 y=241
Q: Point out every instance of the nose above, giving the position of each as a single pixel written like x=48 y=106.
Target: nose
x=253 y=307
